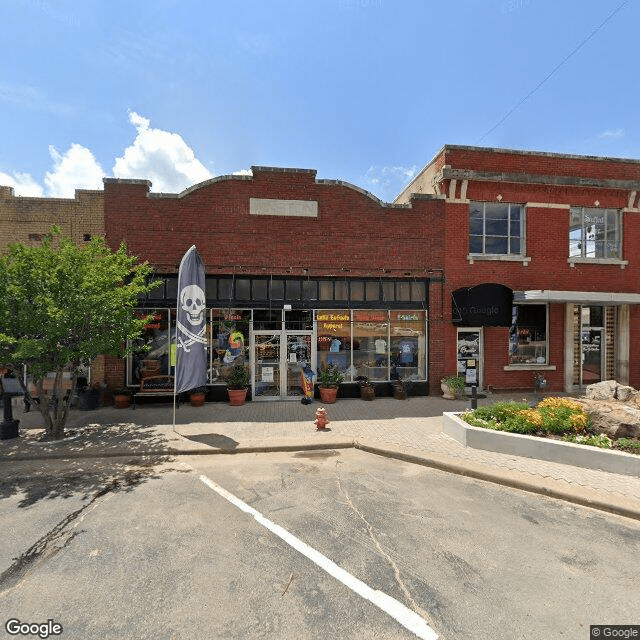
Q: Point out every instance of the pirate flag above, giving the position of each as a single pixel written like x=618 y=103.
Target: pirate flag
x=191 y=325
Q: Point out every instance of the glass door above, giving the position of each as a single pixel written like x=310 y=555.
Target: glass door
x=266 y=365
x=298 y=357
x=469 y=347
x=279 y=358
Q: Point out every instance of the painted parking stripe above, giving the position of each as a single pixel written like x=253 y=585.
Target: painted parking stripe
x=407 y=618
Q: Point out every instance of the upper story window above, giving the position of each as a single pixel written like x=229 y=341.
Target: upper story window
x=595 y=233
x=496 y=229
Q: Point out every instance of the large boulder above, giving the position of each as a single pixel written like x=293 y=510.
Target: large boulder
x=612 y=417
x=602 y=390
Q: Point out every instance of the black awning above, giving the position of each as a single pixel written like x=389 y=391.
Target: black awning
x=485 y=305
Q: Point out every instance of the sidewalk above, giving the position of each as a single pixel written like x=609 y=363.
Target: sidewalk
x=408 y=430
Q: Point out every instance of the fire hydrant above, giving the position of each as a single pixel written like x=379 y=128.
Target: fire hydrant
x=321 y=419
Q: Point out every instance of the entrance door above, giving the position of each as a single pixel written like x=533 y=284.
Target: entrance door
x=278 y=359
x=591 y=356
x=469 y=347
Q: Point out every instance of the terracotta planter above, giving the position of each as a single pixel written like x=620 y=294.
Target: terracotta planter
x=367 y=392
x=196 y=399
x=121 y=401
x=328 y=394
x=237 y=397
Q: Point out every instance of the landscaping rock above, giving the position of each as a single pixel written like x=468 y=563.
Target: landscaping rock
x=625 y=394
x=612 y=417
x=602 y=390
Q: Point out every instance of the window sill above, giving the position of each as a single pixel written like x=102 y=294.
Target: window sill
x=530 y=367
x=472 y=257
x=614 y=261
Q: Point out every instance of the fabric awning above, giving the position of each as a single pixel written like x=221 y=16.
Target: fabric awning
x=576 y=297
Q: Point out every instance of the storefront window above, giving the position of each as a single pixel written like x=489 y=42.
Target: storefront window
x=151 y=351
x=408 y=344
x=528 y=334
x=229 y=341
x=334 y=341
x=371 y=344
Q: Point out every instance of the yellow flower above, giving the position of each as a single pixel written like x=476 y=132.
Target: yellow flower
x=532 y=416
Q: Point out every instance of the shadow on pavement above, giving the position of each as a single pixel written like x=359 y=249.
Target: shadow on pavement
x=214 y=440
x=113 y=470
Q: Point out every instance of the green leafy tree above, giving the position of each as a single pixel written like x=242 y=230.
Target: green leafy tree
x=63 y=305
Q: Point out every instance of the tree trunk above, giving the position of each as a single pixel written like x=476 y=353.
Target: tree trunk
x=55 y=408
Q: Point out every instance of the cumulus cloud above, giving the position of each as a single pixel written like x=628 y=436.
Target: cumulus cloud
x=23 y=184
x=77 y=168
x=160 y=156
x=387 y=182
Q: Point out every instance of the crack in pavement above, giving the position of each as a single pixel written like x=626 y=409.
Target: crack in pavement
x=396 y=572
x=52 y=542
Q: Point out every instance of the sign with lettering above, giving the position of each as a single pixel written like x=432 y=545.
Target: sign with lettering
x=485 y=305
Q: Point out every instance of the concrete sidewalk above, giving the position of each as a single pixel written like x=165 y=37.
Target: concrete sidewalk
x=408 y=430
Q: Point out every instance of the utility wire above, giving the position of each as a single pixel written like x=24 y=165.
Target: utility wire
x=593 y=33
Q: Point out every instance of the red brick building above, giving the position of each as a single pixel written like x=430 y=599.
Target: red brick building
x=319 y=271
x=563 y=233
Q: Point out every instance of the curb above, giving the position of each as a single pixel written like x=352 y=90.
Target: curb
x=470 y=470
x=479 y=473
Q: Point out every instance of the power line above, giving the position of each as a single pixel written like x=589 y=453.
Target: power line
x=593 y=33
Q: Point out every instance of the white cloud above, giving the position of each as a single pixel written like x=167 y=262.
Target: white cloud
x=77 y=168
x=388 y=182
x=23 y=184
x=160 y=156
x=612 y=134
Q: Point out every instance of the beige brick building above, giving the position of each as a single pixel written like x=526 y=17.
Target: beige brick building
x=25 y=219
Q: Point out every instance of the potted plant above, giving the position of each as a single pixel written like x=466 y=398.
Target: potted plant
x=237 y=385
x=197 y=396
x=329 y=378
x=122 y=398
x=366 y=388
x=452 y=387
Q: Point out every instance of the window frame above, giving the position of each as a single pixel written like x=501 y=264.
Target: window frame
x=521 y=256
x=583 y=241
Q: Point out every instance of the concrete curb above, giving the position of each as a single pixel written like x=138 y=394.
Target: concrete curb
x=524 y=446
x=545 y=487
x=513 y=479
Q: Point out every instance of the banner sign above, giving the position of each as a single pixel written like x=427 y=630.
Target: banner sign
x=191 y=324
x=485 y=305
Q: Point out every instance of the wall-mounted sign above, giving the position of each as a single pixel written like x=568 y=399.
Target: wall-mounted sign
x=485 y=305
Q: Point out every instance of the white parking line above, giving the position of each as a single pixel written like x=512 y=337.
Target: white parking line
x=407 y=618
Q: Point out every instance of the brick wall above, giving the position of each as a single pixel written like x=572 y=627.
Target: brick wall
x=353 y=235
x=26 y=220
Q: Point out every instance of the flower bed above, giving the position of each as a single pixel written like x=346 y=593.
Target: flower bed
x=557 y=418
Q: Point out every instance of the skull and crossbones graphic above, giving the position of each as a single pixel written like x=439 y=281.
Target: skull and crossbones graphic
x=192 y=302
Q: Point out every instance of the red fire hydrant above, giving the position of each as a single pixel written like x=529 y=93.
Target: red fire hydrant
x=321 y=419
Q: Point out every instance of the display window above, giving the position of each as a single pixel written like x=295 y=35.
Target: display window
x=334 y=340
x=371 y=344
x=229 y=341
x=528 y=335
x=150 y=356
x=408 y=344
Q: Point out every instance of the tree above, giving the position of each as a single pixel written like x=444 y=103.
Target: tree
x=62 y=306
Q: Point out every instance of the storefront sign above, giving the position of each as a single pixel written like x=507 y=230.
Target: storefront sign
x=485 y=305
x=332 y=321
x=370 y=316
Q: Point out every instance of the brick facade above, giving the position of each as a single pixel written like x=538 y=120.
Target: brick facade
x=287 y=223
x=26 y=219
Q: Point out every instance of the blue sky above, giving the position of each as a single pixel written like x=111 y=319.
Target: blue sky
x=365 y=91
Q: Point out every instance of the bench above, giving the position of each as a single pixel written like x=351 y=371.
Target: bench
x=155 y=386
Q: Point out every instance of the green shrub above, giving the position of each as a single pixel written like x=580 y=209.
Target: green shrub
x=602 y=441
x=553 y=415
x=627 y=444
